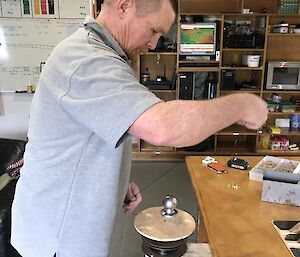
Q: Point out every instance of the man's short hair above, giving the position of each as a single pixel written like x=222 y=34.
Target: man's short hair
x=144 y=6
x=148 y=6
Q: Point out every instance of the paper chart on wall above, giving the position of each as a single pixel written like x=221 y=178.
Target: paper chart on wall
x=74 y=8
x=25 y=45
x=11 y=8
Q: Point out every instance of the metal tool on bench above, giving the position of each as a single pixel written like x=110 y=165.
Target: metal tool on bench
x=164 y=230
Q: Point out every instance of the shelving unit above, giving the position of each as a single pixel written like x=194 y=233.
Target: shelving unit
x=284 y=153
x=236 y=130
x=198 y=69
x=235 y=139
x=282 y=113
x=242 y=50
x=242 y=68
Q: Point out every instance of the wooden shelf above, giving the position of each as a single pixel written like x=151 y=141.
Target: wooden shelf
x=199 y=61
x=236 y=14
x=156 y=150
x=284 y=133
x=284 y=34
x=158 y=156
x=243 y=49
x=242 y=68
x=152 y=148
x=233 y=151
x=163 y=91
x=281 y=91
x=284 y=14
x=236 y=130
x=245 y=15
x=200 y=14
x=270 y=152
x=199 y=69
x=166 y=156
x=282 y=113
x=239 y=91
x=160 y=53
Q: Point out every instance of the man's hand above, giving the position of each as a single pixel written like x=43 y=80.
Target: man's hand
x=133 y=198
x=255 y=112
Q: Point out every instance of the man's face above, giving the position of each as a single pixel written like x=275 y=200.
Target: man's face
x=143 y=32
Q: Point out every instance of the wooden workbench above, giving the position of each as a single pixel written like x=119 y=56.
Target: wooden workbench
x=233 y=219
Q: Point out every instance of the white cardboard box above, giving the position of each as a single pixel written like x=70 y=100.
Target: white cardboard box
x=281 y=180
x=281 y=169
x=282 y=123
x=280 y=192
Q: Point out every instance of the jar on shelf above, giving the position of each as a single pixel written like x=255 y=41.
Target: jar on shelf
x=145 y=77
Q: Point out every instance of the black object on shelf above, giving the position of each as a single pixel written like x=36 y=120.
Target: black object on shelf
x=254 y=40
x=228 y=80
x=206 y=145
x=158 y=85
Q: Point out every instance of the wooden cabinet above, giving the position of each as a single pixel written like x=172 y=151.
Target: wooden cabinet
x=229 y=59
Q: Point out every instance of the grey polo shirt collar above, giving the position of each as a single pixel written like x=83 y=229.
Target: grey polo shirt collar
x=105 y=36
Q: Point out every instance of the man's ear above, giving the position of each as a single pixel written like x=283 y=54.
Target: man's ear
x=123 y=6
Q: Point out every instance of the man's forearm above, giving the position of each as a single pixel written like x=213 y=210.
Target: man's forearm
x=181 y=123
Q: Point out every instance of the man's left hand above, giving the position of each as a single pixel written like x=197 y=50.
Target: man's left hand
x=133 y=198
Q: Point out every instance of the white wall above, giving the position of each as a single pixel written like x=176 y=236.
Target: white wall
x=14 y=115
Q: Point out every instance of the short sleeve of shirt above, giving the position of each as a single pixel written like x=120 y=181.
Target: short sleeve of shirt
x=105 y=97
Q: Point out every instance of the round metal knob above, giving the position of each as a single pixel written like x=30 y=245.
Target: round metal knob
x=169 y=204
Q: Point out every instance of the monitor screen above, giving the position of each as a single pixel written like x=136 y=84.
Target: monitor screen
x=198 y=38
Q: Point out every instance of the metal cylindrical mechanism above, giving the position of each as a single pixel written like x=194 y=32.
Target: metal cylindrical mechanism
x=164 y=230
x=169 y=204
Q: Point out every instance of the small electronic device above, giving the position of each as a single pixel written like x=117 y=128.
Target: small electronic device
x=197 y=86
x=237 y=163
x=158 y=85
x=253 y=40
x=217 y=167
x=228 y=79
x=198 y=38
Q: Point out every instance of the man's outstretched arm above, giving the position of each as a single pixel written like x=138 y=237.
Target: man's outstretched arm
x=181 y=123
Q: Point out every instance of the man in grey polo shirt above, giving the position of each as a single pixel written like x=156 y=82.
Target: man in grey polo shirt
x=87 y=106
